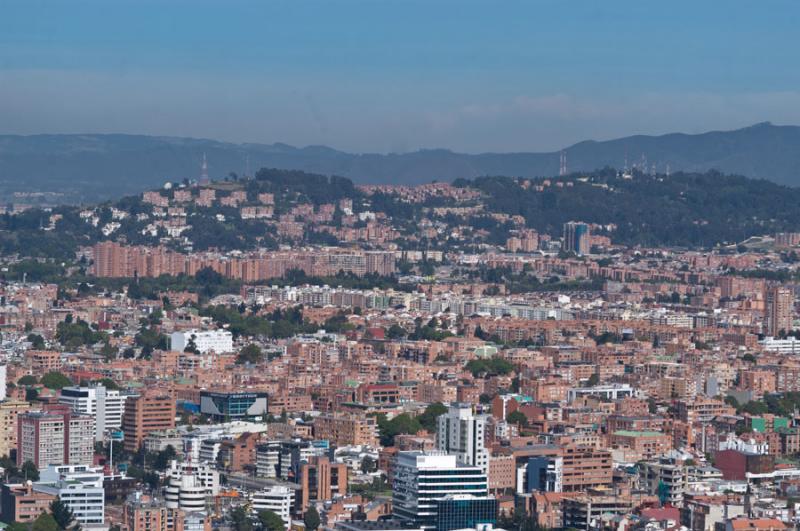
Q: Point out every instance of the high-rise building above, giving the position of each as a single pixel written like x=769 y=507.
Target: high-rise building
x=144 y=414
x=9 y=411
x=3 y=377
x=423 y=479
x=778 y=312
x=576 y=238
x=462 y=433
x=320 y=480
x=205 y=475
x=105 y=405
x=80 y=488
x=465 y=511
x=55 y=437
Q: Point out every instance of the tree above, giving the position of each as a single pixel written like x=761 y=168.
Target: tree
x=28 y=379
x=755 y=408
x=164 y=457
x=45 y=522
x=250 y=354
x=429 y=416
x=62 y=514
x=311 y=518
x=402 y=423
x=594 y=379
x=191 y=346
x=489 y=367
x=396 y=332
x=368 y=465
x=37 y=341
x=108 y=351
x=108 y=383
x=240 y=520
x=517 y=417
x=29 y=471
x=270 y=521
x=55 y=380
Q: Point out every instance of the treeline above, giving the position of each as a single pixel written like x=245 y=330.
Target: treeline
x=684 y=209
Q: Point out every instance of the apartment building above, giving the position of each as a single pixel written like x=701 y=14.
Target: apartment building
x=144 y=414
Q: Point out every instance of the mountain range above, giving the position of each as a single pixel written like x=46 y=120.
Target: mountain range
x=89 y=167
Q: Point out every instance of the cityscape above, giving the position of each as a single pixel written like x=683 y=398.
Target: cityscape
x=243 y=335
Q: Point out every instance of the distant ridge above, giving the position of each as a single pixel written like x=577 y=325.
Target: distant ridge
x=91 y=166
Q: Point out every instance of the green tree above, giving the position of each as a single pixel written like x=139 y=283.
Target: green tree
x=489 y=367
x=755 y=408
x=270 y=521
x=517 y=417
x=311 y=518
x=163 y=458
x=55 y=380
x=28 y=379
x=428 y=418
x=62 y=514
x=250 y=354
x=29 y=471
x=368 y=465
x=396 y=332
x=37 y=341
x=108 y=383
x=240 y=520
x=45 y=522
x=402 y=423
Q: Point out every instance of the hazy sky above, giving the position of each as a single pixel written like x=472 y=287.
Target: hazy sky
x=398 y=75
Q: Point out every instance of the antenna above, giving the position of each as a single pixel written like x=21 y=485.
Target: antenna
x=562 y=170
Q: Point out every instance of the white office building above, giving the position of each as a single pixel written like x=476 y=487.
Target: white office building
x=790 y=345
x=3 y=389
x=606 y=392
x=204 y=340
x=105 y=405
x=268 y=459
x=461 y=432
x=80 y=487
x=185 y=492
x=422 y=479
x=278 y=499
x=205 y=474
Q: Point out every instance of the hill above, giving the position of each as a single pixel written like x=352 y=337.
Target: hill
x=691 y=210
x=96 y=167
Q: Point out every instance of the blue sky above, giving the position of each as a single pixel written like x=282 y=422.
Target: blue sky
x=398 y=75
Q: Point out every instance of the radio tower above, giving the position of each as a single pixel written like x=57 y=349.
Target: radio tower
x=562 y=170
x=204 y=170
